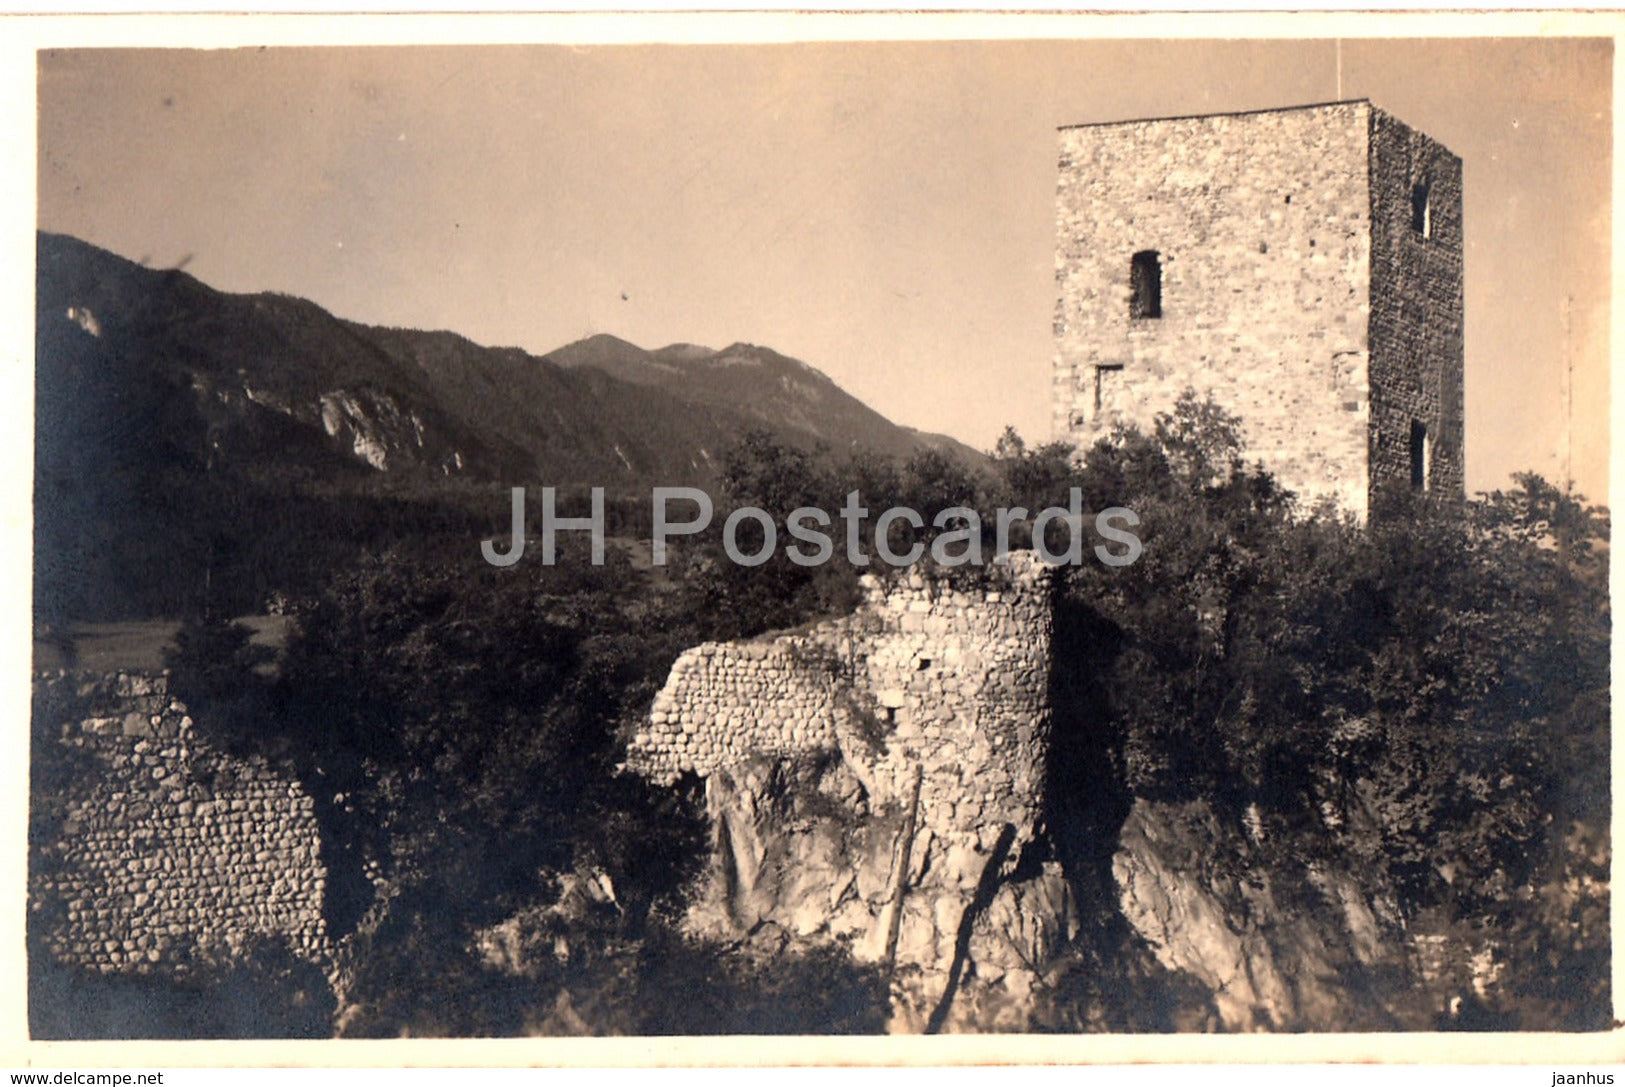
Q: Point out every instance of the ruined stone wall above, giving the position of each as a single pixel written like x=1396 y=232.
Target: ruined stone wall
x=1262 y=226
x=150 y=847
x=952 y=680
x=867 y=775
x=724 y=701
x=1416 y=306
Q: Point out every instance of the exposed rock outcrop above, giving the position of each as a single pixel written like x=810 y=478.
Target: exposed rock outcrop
x=1278 y=946
x=877 y=780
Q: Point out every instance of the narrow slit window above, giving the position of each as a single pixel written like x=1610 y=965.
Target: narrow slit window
x=1421 y=456
x=1106 y=381
x=1421 y=209
x=1145 y=277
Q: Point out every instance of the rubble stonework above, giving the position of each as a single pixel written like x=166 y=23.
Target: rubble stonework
x=1417 y=315
x=867 y=776
x=1294 y=288
x=167 y=849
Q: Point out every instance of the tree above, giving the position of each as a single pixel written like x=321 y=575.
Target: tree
x=1031 y=479
x=732 y=600
x=1424 y=696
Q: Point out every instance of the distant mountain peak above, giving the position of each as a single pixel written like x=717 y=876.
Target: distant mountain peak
x=602 y=350
x=608 y=339
x=756 y=355
x=299 y=391
x=684 y=352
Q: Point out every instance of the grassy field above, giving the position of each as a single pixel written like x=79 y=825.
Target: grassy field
x=136 y=646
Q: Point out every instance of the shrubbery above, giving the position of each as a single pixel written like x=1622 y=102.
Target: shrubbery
x=1424 y=698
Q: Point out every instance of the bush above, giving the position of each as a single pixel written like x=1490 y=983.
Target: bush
x=1424 y=696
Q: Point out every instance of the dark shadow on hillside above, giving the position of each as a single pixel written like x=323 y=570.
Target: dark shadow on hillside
x=267 y=993
x=1110 y=980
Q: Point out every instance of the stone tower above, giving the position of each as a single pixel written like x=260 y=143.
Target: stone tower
x=1303 y=265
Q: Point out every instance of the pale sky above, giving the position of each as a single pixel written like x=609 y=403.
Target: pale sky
x=882 y=211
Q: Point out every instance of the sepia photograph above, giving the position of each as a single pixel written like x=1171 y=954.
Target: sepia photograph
x=1061 y=534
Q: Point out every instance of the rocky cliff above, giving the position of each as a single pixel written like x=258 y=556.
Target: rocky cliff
x=879 y=782
x=1275 y=945
x=876 y=781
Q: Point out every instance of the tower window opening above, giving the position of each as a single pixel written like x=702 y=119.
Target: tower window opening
x=1106 y=387
x=1145 y=277
x=1421 y=209
x=1421 y=456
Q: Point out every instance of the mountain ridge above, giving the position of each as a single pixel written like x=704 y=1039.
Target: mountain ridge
x=599 y=410
x=197 y=450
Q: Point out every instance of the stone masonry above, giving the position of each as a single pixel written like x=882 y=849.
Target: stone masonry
x=868 y=775
x=1417 y=315
x=924 y=675
x=165 y=850
x=1303 y=266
